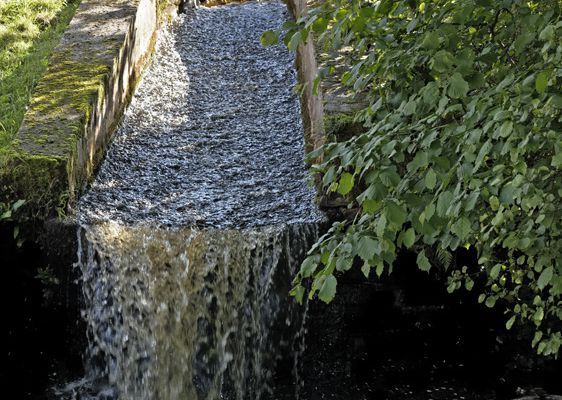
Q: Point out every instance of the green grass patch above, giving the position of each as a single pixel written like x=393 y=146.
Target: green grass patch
x=29 y=32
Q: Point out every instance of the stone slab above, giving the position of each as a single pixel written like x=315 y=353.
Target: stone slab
x=307 y=69
x=78 y=101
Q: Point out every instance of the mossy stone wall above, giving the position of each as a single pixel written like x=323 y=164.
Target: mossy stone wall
x=78 y=102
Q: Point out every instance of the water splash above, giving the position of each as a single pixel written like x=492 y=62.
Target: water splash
x=191 y=314
x=193 y=230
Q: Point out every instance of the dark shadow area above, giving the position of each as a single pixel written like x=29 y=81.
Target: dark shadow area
x=39 y=344
x=405 y=337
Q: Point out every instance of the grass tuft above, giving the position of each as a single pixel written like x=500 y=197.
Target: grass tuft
x=29 y=32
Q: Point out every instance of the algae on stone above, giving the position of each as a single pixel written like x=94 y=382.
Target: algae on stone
x=78 y=102
x=29 y=31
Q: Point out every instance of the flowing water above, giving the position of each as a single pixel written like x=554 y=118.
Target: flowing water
x=199 y=217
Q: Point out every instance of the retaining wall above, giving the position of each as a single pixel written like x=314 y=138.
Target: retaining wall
x=79 y=100
x=307 y=69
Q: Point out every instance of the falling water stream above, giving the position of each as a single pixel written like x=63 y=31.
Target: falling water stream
x=199 y=217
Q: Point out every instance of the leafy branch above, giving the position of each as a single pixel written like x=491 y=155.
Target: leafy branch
x=462 y=148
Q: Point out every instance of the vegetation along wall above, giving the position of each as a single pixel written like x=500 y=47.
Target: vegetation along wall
x=77 y=102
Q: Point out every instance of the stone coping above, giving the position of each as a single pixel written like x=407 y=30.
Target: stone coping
x=307 y=68
x=78 y=102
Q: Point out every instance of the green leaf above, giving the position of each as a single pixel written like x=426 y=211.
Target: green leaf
x=367 y=248
x=538 y=316
x=510 y=322
x=294 y=41
x=298 y=293
x=366 y=12
x=557 y=160
x=344 y=264
x=442 y=61
x=430 y=41
x=385 y=6
x=269 y=38
x=461 y=228
x=390 y=178
x=556 y=101
x=379 y=268
x=409 y=238
x=371 y=206
x=541 y=82
x=430 y=179
x=429 y=211
x=547 y=33
x=522 y=41
x=494 y=203
x=17 y=205
x=458 y=87
x=420 y=160
x=395 y=213
x=506 y=129
x=346 y=183
x=410 y=108
x=491 y=301
x=309 y=266
x=483 y=152
x=423 y=262
x=443 y=203
x=366 y=269
x=495 y=271
x=545 y=277
x=320 y=25
x=507 y=193
x=524 y=243
x=328 y=289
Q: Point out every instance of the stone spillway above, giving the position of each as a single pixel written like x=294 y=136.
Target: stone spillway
x=214 y=134
x=199 y=218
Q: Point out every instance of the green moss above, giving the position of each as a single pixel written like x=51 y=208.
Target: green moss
x=39 y=165
x=61 y=105
x=342 y=126
x=161 y=6
x=29 y=31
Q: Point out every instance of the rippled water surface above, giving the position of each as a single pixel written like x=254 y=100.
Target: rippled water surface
x=198 y=220
x=214 y=134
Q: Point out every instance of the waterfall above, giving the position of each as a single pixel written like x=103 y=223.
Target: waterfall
x=199 y=218
x=188 y=313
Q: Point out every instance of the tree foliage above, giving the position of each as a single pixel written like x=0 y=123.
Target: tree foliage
x=462 y=148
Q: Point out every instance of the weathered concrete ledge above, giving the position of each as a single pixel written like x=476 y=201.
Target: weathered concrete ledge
x=330 y=112
x=307 y=70
x=79 y=100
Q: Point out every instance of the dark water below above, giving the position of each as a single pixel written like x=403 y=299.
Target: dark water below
x=405 y=338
